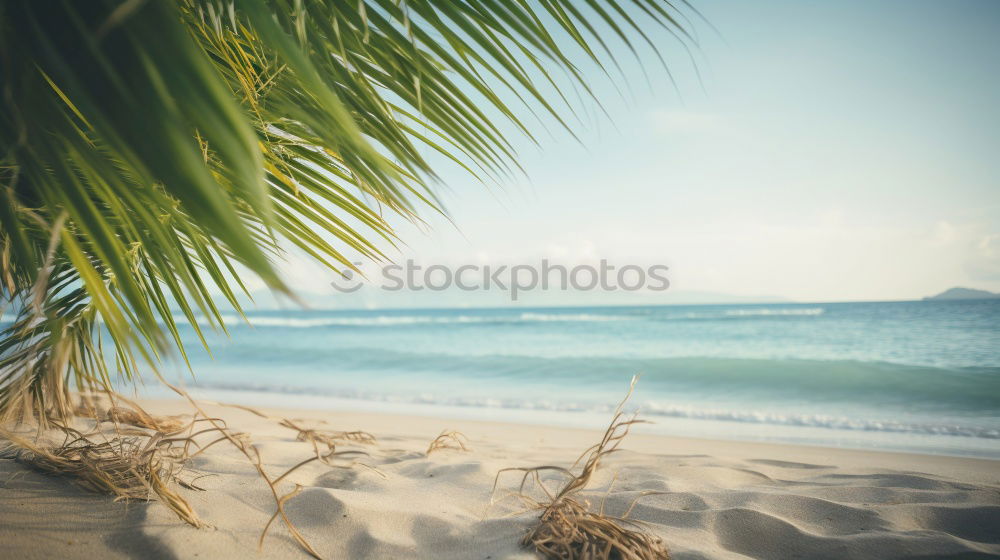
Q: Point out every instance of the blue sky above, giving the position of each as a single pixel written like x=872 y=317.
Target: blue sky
x=832 y=151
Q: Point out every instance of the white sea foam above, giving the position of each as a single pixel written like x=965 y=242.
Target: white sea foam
x=727 y=314
x=498 y=318
x=766 y=311
x=400 y=320
x=526 y=317
x=821 y=421
x=575 y=317
x=647 y=408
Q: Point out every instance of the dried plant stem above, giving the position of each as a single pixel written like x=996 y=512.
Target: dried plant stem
x=253 y=455
x=139 y=464
x=131 y=413
x=313 y=436
x=449 y=439
x=135 y=467
x=567 y=529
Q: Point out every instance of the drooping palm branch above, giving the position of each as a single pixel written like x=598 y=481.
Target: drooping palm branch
x=152 y=151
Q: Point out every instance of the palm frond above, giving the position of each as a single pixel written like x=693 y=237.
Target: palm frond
x=151 y=151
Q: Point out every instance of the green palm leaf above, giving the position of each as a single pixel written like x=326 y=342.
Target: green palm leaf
x=151 y=150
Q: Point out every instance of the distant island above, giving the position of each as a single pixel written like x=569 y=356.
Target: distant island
x=963 y=293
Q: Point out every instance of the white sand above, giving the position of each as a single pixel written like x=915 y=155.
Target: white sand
x=722 y=500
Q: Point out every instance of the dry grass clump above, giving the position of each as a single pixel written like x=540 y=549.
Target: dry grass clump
x=136 y=467
x=244 y=445
x=570 y=531
x=138 y=417
x=148 y=464
x=329 y=438
x=567 y=528
x=449 y=439
x=90 y=406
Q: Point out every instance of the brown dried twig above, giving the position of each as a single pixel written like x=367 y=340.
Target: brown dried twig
x=329 y=438
x=567 y=529
x=136 y=467
x=449 y=439
x=136 y=464
x=245 y=447
x=130 y=413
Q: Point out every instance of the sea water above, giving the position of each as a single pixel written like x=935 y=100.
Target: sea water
x=910 y=376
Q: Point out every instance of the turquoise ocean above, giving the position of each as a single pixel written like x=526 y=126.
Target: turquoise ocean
x=908 y=376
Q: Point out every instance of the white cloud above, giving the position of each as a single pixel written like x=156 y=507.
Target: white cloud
x=944 y=234
x=984 y=263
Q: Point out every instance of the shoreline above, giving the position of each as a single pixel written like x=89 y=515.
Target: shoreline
x=720 y=499
x=657 y=424
x=569 y=438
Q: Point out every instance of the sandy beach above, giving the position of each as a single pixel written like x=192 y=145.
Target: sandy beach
x=422 y=248
x=720 y=499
